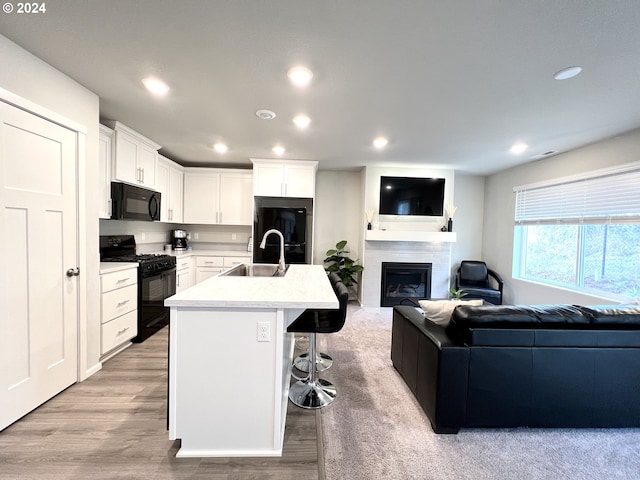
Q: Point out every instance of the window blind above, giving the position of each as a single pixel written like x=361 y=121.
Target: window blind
x=602 y=197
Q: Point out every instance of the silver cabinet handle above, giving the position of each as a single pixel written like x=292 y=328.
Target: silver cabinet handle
x=124 y=302
x=142 y=174
x=120 y=332
x=220 y=217
x=73 y=272
x=122 y=280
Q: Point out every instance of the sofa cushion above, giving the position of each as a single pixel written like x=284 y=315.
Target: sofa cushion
x=467 y=319
x=621 y=316
x=439 y=311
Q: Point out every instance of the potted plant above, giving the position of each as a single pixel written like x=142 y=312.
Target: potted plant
x=337 y=261
x=456 y=294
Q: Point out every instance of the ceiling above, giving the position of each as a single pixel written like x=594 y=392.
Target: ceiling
x=451 y=84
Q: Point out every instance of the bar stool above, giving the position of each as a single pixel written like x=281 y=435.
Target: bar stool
x=323 y=361
x=313 y=392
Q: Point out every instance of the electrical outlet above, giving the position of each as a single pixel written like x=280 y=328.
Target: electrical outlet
x=234 y=236
x=264 y=332
x=195 y=236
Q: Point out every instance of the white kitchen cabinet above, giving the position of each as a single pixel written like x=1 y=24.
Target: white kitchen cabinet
x=218 y=196
x=236 y=198
x=208 y=266
x=104 y=171
x=184 y=274
x=284 y=178
x=135 y=157
x=118 y=308
x=170 y=177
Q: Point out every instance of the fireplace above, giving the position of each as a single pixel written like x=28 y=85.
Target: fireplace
x=404 y=280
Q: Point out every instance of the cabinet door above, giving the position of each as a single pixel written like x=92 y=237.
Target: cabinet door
x=268 y=179
x=204 y=273
x=126 y=158
x=104 y=172
x=162 y=185
x=147 y=161
x=201 y=193
x=183 y=279
x=175 y=194
x=236 y=198
x=299 y=180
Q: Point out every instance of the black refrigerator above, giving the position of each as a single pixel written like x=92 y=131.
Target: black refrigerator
x=292 y=223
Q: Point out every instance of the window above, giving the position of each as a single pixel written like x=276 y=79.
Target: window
x=581 y=233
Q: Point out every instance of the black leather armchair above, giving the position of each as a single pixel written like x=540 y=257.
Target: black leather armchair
x=472 y=278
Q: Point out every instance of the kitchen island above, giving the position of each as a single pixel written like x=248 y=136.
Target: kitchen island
x=230 y=360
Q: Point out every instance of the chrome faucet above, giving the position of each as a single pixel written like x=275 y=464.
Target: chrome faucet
x=263 y=244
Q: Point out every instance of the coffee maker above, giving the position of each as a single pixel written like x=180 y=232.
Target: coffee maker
x=179 y=239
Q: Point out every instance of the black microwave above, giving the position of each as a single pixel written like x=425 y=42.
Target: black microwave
x=129 y=202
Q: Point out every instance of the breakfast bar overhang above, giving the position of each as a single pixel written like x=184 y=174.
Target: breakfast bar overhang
x=230 y=360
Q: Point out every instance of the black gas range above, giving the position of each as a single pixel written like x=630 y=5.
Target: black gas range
x=156 y=281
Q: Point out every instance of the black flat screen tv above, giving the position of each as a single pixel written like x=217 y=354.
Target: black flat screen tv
x=412 y=196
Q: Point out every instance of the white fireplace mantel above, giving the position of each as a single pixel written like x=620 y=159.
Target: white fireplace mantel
x=409 y=236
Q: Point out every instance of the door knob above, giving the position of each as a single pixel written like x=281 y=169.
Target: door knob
x=73 y=272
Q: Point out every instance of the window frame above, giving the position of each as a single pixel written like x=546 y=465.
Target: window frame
x=617 y=179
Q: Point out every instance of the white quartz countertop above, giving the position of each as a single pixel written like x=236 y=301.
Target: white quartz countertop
x=303 y=286
x=216 y=253
x=110 y=267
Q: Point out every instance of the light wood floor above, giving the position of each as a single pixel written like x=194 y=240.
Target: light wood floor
x=113 y=426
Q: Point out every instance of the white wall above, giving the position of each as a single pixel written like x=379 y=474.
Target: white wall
x=338 y=212
x=27 y=76
x=499 y=208
x=468 y=220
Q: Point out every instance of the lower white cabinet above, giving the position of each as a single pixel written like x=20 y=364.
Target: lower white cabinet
x=208 y=266
x=118 y=308
x=184 y=274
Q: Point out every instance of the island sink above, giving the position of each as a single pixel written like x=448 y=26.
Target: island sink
x=255 y=270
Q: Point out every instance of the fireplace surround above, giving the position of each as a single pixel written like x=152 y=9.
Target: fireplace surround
x=409 y=247
x=402 y=280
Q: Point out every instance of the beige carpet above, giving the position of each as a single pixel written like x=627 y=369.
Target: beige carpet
x=376 y=430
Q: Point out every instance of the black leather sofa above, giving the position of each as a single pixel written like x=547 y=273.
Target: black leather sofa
x=522 y=366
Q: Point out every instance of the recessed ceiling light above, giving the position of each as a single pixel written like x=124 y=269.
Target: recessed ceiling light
x=220 y=147
x=301 y=121
x=265 y=114
x=519 y=148
x=156 y=86
x=380 y=142
x=300 y=76
x=567 y=73
x=278 y=149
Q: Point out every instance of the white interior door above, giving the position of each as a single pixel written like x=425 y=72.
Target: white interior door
x=38 y=244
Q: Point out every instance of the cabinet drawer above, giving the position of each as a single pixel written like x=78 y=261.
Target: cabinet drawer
x=231 y=261
x=118 y=331
x=118 y=302
x=183 y=263
x=123 y=278
x=209 y=261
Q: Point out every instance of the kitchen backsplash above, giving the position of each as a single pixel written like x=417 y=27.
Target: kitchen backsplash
x=152 y=236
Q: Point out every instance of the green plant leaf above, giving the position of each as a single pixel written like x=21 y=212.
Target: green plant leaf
x=340 y=245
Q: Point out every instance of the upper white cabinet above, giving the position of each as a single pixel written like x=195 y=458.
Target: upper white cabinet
x=218 y=196
x=104 y=171
x=135 y=157
x=169 y=182
x=284 y=178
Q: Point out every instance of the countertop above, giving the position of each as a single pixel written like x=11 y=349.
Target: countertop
x=216 y=253
x=303 y=286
